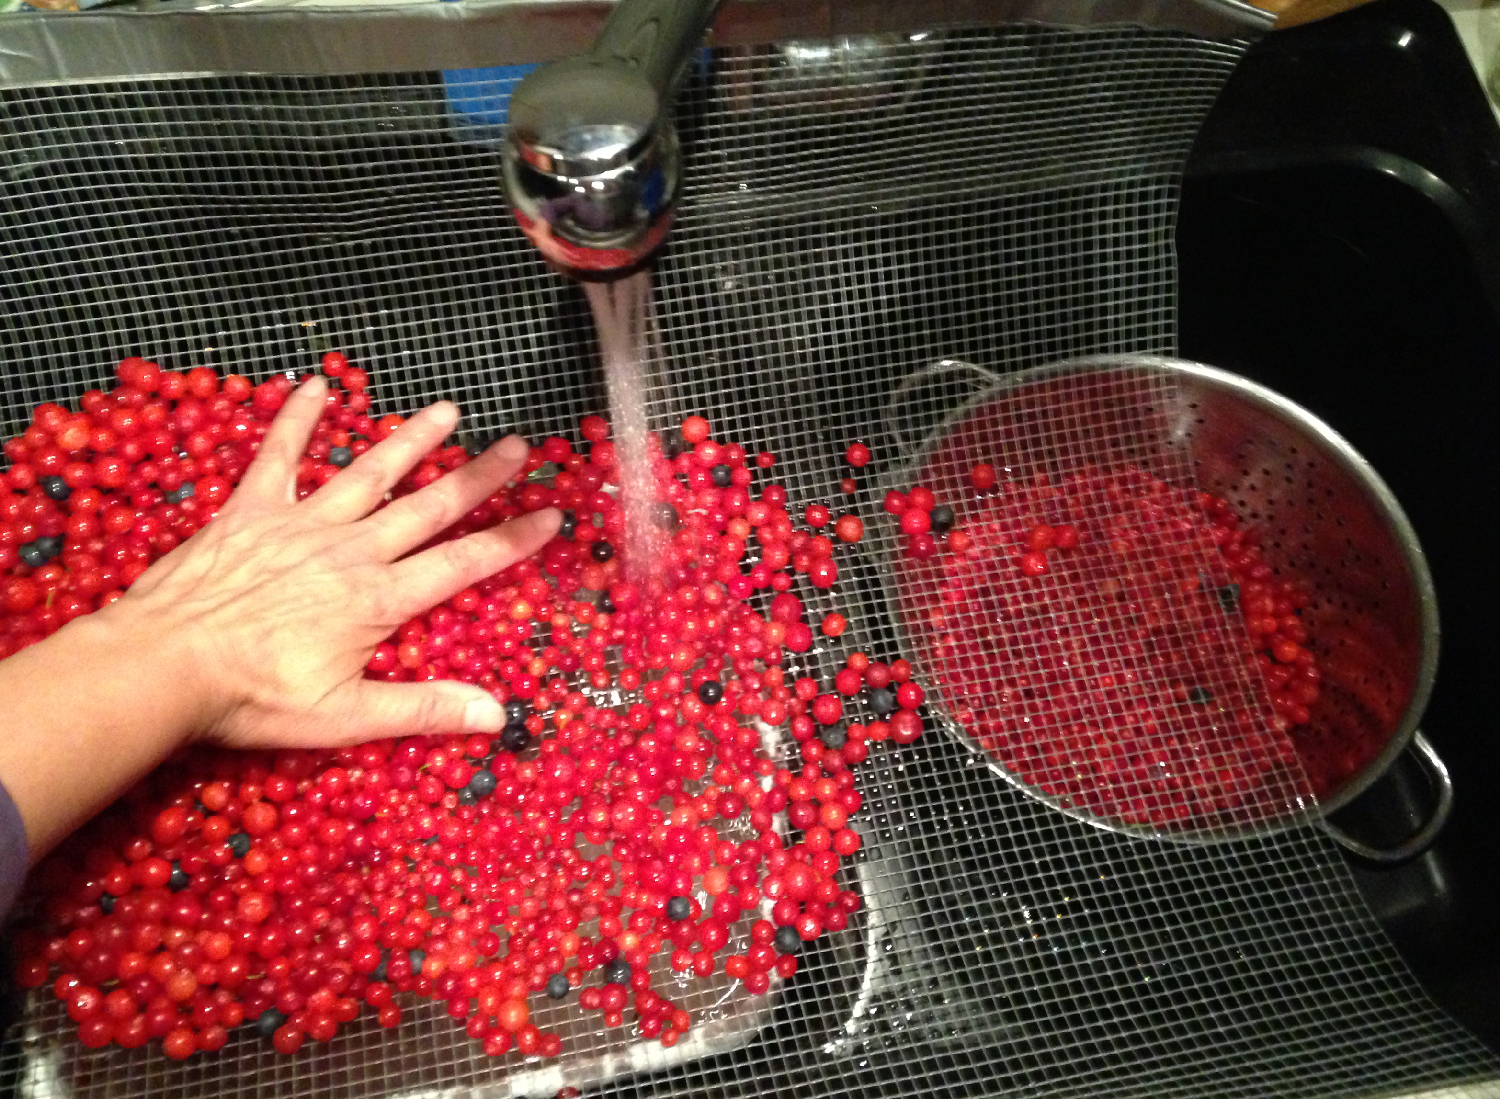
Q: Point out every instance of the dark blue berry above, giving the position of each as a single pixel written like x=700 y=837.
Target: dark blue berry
x=833 y=737
x=179 y=879
x=268 y=1022
x=617 y=972
x=239 y=843
x=787 y=940
x=482 y=783
x=340 y=456
x=606 y=604
x=467 y=797
x=56 y=488
x=710 y=691
x=672 y=442
x=557 y=986
x=186 y=491
x=378 y=974
x=569 y=524
x=722 y=476
x=679 y=908
x=883 y=701
x=50 y=547
x=107 y=903
x=516 y=712
x=515 y=738
x=417 y=956
x=942 y=518
x=31 y=555
x=601 y=551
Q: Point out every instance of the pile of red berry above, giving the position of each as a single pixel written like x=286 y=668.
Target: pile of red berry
x=1079 y=639
x=627 y=822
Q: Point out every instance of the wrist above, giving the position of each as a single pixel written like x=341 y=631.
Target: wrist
x=129 y=643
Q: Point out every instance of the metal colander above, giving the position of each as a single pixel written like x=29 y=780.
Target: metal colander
x=996 y=183
x=1329 y=524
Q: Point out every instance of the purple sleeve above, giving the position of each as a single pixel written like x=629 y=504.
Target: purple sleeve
x=14 y=853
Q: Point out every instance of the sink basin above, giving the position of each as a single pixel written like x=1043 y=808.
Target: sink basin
x=1003 y=946
x=1340 y=252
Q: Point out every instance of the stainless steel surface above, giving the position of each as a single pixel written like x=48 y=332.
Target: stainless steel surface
x=1001 y=195
x=591 y=161
x=1427 y=832
x=180 y=38
x=1330 y=523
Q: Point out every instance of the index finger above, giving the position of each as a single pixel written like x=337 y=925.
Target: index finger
x=271 y=477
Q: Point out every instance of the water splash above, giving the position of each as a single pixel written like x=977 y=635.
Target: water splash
x=631 y=348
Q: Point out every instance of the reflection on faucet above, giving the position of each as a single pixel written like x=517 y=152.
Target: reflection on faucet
x=591 y=160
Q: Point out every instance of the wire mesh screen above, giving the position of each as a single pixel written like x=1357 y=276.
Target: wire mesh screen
x=853 y=211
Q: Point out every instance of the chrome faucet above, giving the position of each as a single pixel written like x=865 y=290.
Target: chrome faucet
x=591 y=160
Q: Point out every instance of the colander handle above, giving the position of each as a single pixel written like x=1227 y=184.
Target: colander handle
x=1442 y=782
x=929 y=375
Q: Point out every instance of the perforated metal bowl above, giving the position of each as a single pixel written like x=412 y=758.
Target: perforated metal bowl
x=1326 y=518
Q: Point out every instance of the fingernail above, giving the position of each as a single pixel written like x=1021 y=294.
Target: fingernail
x=484 y=715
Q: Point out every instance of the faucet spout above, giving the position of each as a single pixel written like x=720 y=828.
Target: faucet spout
x=591 y=160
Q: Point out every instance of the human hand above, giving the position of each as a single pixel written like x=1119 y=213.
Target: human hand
x=274 y=608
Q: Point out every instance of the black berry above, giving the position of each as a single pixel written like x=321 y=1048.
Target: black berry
x=50 y=547
x=482 y=783
x=833 y=737
x=679 y=908
x=107 y=903
x=710 y=691
x=186 y=491
x=179 y=879
x=942 y=518
x=31 y=555
x=268 y=1022
x=722 y=476
x=569 y=524
x=340 y=456
x=239 y=843
x=601 y=551
x=56 y=488
x=664 y=516
x=557 y=986
x=417 y=956
x=515 y=738
x=617 y=972
x=672 y=442
x=787 y=940
x=883 y=701
x=606 y=604
x=516 y=712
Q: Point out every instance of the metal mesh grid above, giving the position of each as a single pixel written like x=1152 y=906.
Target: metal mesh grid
x=1004 y=197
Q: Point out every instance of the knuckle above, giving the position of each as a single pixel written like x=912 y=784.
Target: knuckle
x=433 y=505
x=431 y=713
x=368 y=477
x=465 y=556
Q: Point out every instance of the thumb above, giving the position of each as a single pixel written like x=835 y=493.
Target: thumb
x=382 y=710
